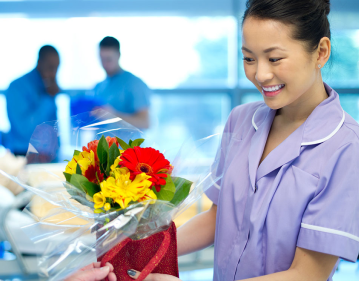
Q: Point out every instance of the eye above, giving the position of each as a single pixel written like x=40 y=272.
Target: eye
x=274 y=60
x=248 y=59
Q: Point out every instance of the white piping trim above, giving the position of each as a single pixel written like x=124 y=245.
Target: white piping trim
x=329 y=136
x=329 y=230
x=254 y=124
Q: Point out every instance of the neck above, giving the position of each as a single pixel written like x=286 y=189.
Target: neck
x=300 y=110
x=115 y=71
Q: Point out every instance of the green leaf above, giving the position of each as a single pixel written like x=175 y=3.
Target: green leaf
x=167 y=191
x=183 y=188
x=77 y=181
x=103 y=153
x=113 y=154
x=76 y=193
x=67 y=176
x=130 y=143
x=84 y=185
x=66 y=160
x=91 y=188
x=123 y=144
x=137 y=142
x=78 y=169
x=76 y=152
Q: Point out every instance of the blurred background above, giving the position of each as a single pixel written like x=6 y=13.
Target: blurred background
x=188 y=54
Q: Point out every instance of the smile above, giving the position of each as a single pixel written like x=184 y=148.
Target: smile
x=271 y=91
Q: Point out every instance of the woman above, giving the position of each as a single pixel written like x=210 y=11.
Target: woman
x=288 y=205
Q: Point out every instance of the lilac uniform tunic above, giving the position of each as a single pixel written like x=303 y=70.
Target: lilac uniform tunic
x=304 y=194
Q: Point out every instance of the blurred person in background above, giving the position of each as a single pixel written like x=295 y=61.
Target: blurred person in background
x=122 y=93
x=31 y=100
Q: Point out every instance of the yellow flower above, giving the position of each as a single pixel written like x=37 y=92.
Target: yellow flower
x=115 y=164
x=150 y=195
x=107 y=206
x=84 y=159
x=71 y=166
x=122 y=190
x=99 y=200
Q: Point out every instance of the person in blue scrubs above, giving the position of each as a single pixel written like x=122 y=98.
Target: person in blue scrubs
x=122 y=93
x=31 y=100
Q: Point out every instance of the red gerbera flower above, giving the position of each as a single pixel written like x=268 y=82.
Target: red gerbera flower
x=93 y=146
x=146 y=160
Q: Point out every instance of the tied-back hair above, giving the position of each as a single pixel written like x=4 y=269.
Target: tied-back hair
x=309 y=18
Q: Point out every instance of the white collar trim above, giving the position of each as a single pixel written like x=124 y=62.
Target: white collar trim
x=253 y=123
x=327 y=137
x=310 y=142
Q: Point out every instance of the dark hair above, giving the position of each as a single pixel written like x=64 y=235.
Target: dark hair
x=308 y=17
x=47 y=50
x=110 y=42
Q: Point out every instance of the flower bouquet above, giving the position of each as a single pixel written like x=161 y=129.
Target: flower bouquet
x=117 y=197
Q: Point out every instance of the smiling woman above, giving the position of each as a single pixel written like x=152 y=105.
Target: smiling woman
x=292 y=163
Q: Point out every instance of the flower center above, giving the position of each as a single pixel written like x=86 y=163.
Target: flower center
x=144 y=168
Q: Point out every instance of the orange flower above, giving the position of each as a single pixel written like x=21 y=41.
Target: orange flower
x=93 y=146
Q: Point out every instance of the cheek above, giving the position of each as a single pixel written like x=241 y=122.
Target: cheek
x=250 y=71
x=294 y=74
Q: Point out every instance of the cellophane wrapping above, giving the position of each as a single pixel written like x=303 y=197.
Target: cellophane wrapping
x=66 y=224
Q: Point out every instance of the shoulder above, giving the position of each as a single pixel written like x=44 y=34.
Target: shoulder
x=346 y=137
x=22 y=81
x=99 y=84
x=351 y=128
x=343 y=146
x=132 y=79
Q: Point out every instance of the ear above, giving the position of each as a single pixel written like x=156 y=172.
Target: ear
x=323 y=51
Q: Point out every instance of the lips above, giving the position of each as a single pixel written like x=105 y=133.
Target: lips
x=271 y=91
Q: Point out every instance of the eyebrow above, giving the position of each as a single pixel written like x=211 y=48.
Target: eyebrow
x=265 y=51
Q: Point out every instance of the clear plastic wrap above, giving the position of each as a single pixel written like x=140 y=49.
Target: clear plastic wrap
x=75 y=236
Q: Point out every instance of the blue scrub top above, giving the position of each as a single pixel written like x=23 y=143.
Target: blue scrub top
x=28 y=105
x=124 y=91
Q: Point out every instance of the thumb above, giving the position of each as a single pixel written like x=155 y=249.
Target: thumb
x=94 y=274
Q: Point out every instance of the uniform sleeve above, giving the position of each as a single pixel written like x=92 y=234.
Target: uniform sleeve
x=140 y=95
x=19 y=100
x=26 y=109
x=330 y=223
x=218 y=165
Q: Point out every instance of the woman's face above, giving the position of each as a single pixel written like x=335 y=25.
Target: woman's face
x=279 y=66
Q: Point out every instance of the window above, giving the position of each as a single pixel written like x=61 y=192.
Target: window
x=166 y=52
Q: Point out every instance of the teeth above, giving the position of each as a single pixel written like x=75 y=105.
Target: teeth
x=272 y=89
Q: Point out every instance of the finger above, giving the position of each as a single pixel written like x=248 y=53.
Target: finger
x=94 y=274
x=90 y=266
x=97 y=264
x=112 y=277
x=134 y=274
x=110 y=265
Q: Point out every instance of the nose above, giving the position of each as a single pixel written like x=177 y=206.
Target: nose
x=264 y=73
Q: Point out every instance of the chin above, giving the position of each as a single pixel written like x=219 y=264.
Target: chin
x=273 y=104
